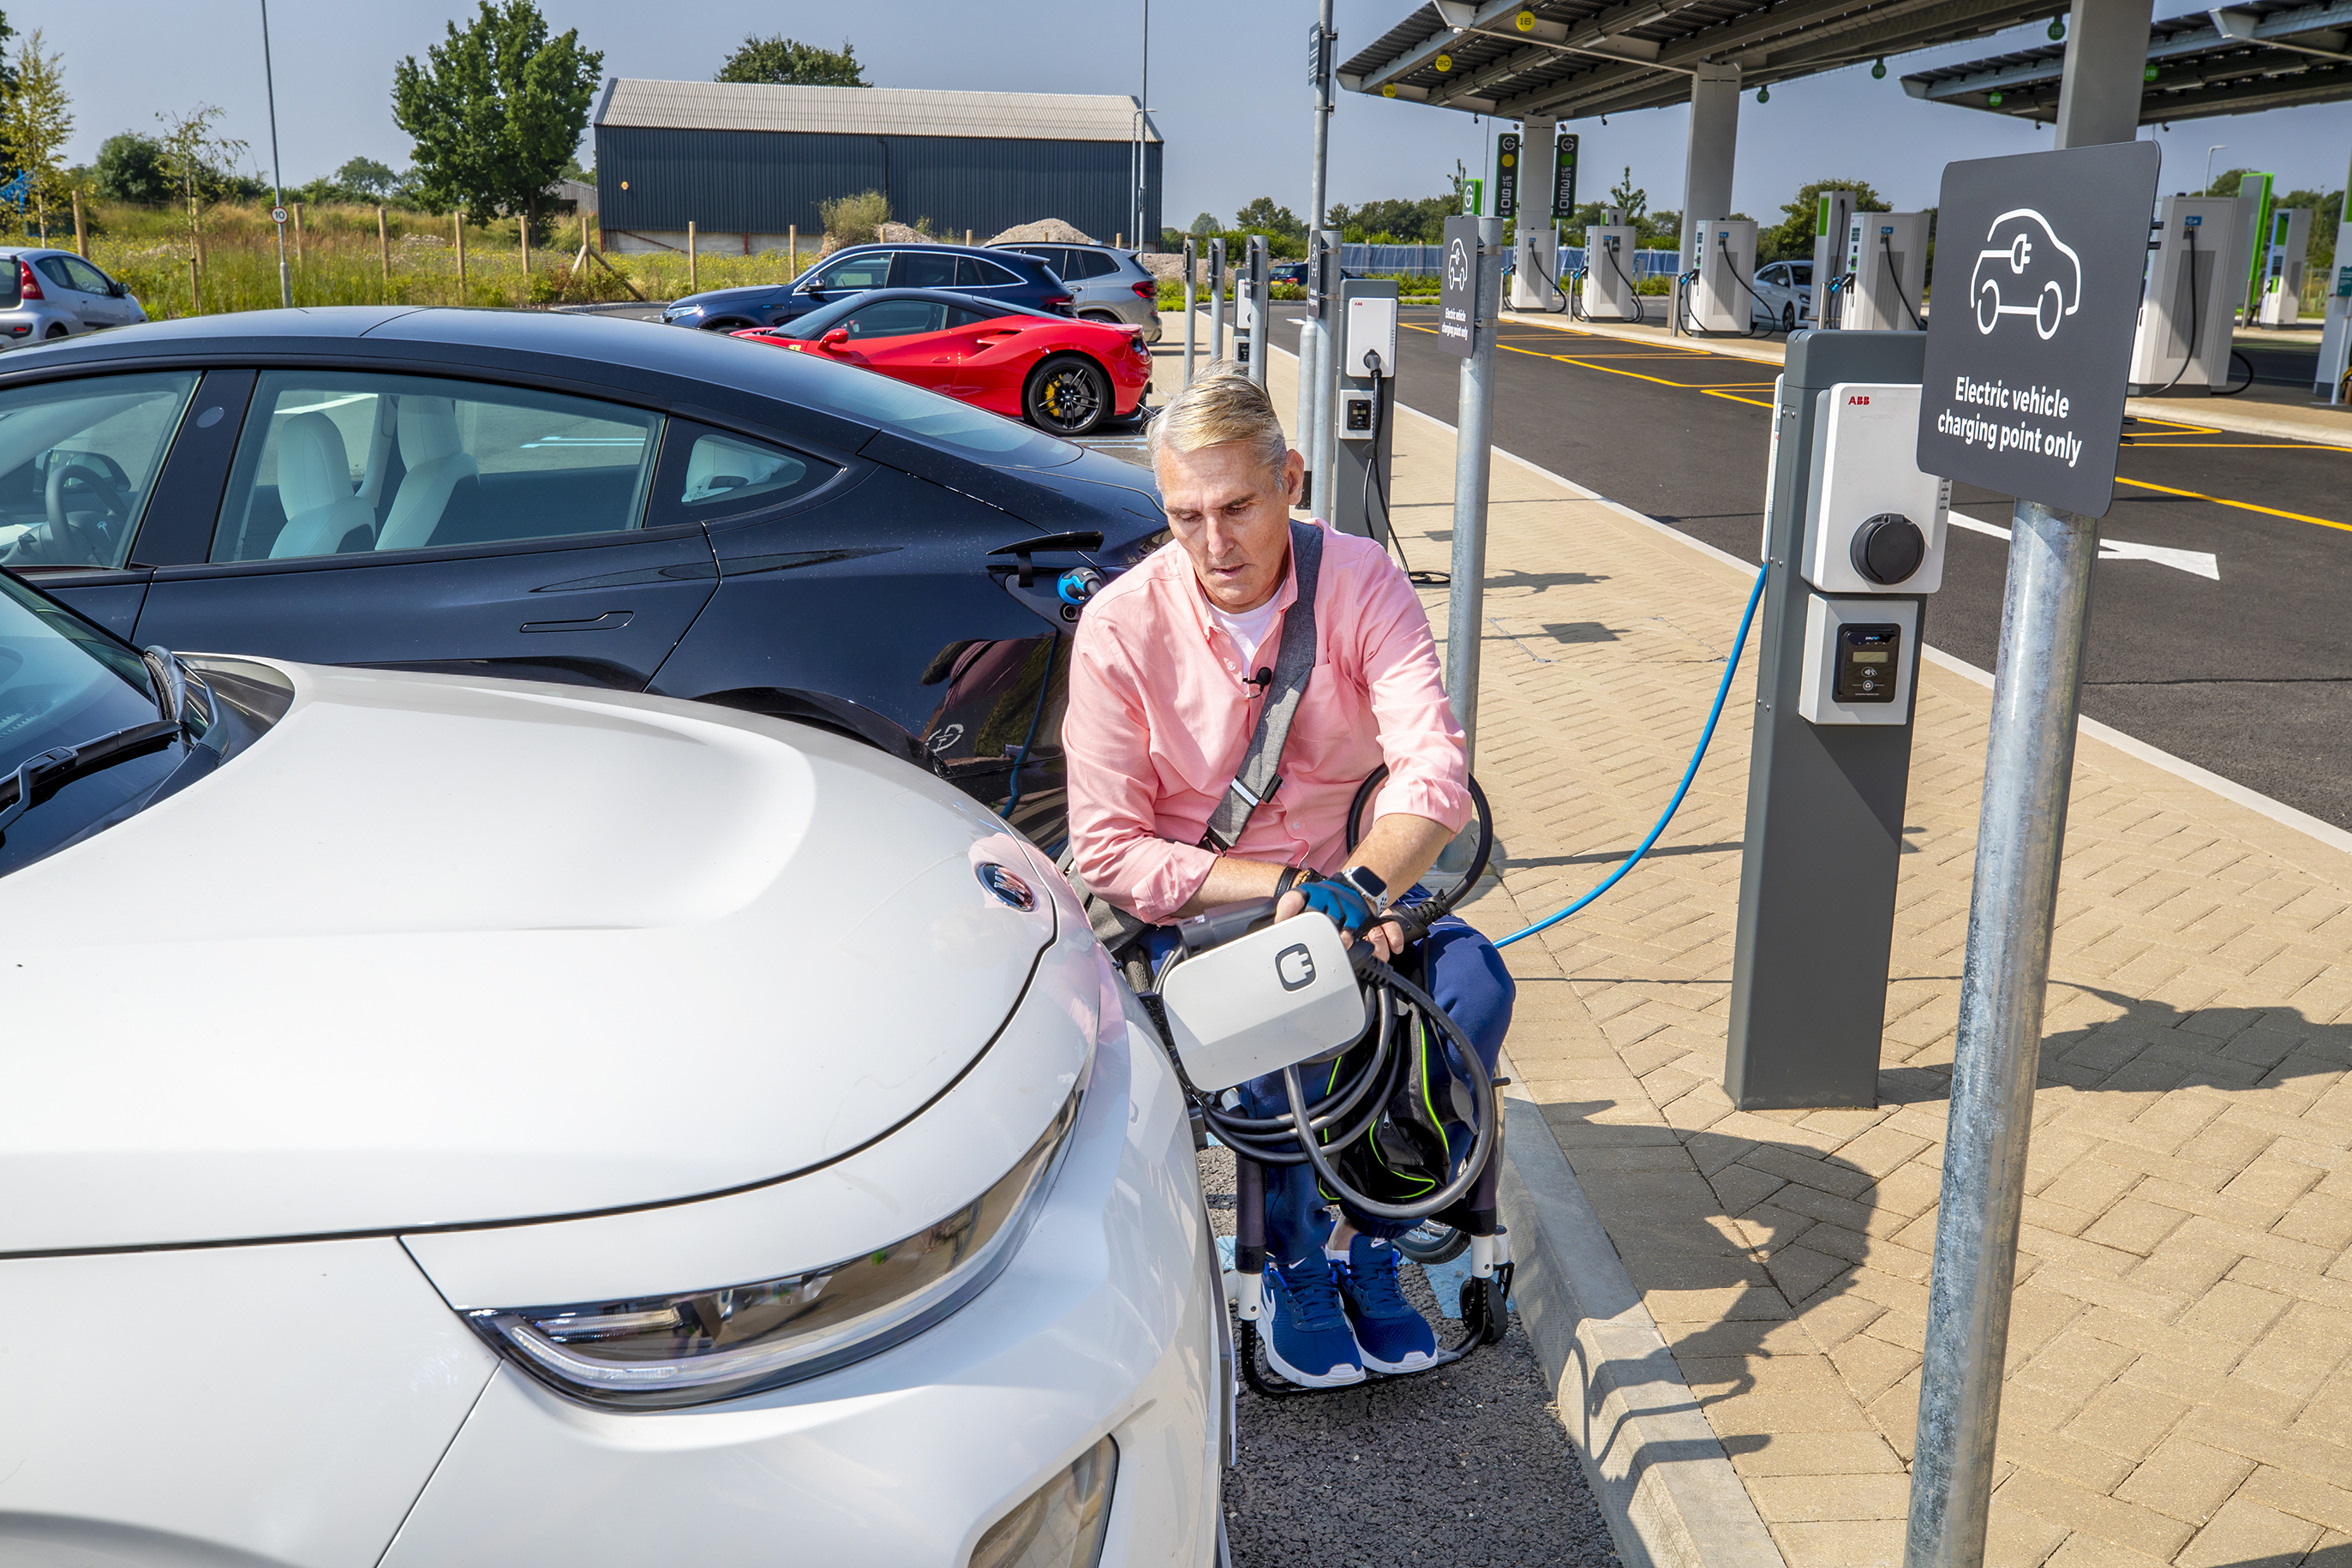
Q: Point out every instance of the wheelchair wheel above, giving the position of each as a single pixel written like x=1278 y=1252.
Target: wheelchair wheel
x=1430 y=1242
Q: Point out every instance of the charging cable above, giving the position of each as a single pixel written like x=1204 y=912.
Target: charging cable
x=1631 y=293
x=1887 y=248
x=1738 y=646
x=1375 y=486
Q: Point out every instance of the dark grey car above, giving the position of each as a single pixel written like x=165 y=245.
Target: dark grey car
x=1105 y=283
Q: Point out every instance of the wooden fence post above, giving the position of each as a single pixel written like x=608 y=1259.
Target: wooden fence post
x=793 y=251
x=458 y=221
x=523 y=226
x=298 y=234
x=81 y=243
x=692 y=272
x=384 y=247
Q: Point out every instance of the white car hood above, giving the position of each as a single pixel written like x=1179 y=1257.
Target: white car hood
x=440 y=952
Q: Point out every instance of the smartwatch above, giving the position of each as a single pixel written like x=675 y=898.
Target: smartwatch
x=1367 y=881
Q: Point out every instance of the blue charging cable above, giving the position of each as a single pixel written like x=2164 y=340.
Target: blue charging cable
x=1755 y=597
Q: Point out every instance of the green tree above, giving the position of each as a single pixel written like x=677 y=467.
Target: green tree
x=193 y=158
x=1262 y=216
x=365 y=179
x=36 y=122
x=1203 y=225
x=1792 y=239
x=496 y=111
x=789 y=62
x=130 y=168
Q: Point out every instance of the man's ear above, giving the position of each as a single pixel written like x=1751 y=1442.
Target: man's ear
x=1293 y=478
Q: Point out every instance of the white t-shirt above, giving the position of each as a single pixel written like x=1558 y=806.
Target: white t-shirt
x=1247 y=629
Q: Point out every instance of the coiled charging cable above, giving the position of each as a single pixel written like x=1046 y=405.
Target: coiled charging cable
x=1747 y=618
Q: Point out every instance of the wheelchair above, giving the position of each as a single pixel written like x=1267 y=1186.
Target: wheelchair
x=1374 y=1137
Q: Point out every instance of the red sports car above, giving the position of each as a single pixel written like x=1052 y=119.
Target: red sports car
x=1063 y=376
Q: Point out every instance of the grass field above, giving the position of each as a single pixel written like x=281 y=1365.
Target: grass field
x=341 y=258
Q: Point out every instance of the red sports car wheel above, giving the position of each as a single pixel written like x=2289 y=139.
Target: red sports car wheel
x=1068 y=394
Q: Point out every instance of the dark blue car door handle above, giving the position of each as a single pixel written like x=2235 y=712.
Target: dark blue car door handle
x=610 y=621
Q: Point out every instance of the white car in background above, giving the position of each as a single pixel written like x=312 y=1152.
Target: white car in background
x=58 y=294
x=464 y=1121
x=1787 y=288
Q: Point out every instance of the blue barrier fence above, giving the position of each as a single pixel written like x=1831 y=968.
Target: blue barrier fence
x=1424 y=260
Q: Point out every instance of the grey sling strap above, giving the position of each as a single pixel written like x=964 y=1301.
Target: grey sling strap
x=1259 y=776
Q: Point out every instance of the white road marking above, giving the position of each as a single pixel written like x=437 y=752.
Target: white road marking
x=2196 y=563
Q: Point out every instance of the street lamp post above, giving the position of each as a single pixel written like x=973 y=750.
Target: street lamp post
x=277 y=178
x=2217 y=147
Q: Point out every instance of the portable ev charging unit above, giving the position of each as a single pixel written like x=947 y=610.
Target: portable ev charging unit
x=2197 y=261
x=2283 y=267
x=1721 y=300
x=1886 y=265
x=2336 y=338
x=1609 y=277
x=1262 y=1002
x=1366 y=326
x=1836 y=210
x=1829 y=775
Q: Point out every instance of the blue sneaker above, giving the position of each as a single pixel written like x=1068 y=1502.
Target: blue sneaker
x=1307 y=1336
x=1391 y=1333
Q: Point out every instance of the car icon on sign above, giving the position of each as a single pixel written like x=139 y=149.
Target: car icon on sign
x=1457 y=264
x=2024 y=255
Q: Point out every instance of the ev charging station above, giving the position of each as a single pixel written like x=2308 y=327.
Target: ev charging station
x=1853 y=538
x=1253 y=305
x=1835 y=211
x=1886 y=267
x=1608 y=283
x=2196 y=267
x=2290 y=237
x=1367 y=330
x=1722 y=301
x=2336 y=338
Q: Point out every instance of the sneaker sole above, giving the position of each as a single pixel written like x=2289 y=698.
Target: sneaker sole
x=1308 y=1380
x=1417 y=1361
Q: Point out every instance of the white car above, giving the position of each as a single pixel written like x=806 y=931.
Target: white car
x=1787 y=288
x=58 y=294
x=476 y=1122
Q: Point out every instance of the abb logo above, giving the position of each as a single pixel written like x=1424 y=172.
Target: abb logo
x=1863 y=398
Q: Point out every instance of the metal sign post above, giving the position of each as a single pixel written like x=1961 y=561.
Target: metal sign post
x=2026 y=370
x=1470 y=282
x=1188 y=250
x=1261 y=308
x=1317 y=354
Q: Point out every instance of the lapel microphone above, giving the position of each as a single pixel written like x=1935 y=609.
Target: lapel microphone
x=1263 y=680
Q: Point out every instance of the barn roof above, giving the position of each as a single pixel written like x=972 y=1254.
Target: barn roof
x=868 y=110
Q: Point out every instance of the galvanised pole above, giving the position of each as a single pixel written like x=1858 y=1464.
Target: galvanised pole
x=277 y=181
x=1474 y=456
x=2021 y=834
x=1317 y=333
x=1189 y=251
x=1326 y=382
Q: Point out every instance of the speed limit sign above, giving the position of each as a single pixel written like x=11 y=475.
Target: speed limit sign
x=278 y=214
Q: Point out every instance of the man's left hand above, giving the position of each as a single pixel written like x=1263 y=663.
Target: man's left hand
x=1386 y=942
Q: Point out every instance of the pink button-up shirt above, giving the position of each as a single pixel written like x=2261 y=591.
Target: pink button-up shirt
x=1160 y=712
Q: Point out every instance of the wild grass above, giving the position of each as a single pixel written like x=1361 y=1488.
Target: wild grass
x=340 y=259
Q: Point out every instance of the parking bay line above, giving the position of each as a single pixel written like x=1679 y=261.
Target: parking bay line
x=2241 y=505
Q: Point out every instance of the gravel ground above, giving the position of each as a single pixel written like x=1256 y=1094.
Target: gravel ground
x=1468 y=1466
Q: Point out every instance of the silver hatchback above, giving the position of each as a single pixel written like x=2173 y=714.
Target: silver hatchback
x=1106 y=284
x=49 y=294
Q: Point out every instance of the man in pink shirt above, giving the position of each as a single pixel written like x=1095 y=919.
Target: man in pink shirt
x=1172 y=665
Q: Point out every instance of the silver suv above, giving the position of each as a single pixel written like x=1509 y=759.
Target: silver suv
x=1106 y=284
x=55 y=293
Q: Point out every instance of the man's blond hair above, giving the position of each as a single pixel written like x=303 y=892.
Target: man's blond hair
x=1221 y=406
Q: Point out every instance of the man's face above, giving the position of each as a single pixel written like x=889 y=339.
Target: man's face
x=1231 y=515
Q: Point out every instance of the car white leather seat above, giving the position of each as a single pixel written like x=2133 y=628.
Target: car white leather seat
x=435 y=462
x=314 y=486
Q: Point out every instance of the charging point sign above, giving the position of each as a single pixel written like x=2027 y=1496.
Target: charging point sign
x=2038 y=271
x=1457 y=288
x=1507 y=176
x=1563 y=179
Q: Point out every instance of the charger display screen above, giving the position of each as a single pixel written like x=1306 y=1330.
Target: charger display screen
x=1866 y=663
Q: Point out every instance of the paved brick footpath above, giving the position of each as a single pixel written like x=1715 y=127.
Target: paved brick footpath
x=2178 y=1385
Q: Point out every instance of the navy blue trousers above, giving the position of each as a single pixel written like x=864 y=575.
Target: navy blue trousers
x=1462 y=970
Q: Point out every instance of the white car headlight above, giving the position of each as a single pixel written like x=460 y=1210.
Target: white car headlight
x=661 y=1352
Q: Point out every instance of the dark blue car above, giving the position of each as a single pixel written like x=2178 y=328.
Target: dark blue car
x=573 y=499
x=1002 y=274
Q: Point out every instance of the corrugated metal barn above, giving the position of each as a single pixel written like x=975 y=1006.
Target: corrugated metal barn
x=744 y=162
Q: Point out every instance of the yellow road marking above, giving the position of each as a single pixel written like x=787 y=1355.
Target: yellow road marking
x=2241 y=505
x=1751 y=401
x=2176 y=424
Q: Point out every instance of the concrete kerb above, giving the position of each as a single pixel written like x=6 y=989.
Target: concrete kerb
x=1662 y=1477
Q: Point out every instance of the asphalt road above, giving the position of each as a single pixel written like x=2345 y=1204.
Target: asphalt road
x=2249 y=675
x=1464 y=1466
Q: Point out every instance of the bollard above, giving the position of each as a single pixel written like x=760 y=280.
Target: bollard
x=458 y=222
x=383 y=250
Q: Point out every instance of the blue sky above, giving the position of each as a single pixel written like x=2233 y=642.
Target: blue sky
x=1228 y=87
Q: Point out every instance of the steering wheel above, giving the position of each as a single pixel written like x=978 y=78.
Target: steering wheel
x=81 y=470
